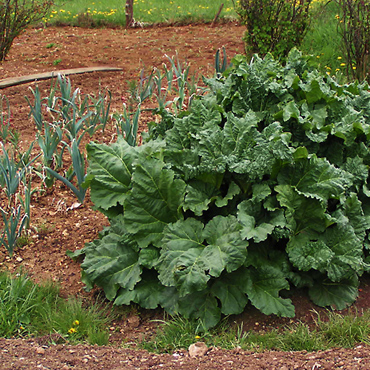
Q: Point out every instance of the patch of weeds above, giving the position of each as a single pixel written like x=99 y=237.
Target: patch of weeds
x=43 y=229
x=81 y=322
x=23 y=304
x=299 y=337
x=23 y=240
x=173 y=334
x=28 y=309
x=49 y=46
x=57 y=61
x=345 y=330
x=337 y=331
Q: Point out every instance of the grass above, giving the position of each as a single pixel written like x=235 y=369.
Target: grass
x=323 y=40
x=29 y=309
x=336 y=331
x=112 y=12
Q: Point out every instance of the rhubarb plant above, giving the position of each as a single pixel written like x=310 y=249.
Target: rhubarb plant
x=260 y=187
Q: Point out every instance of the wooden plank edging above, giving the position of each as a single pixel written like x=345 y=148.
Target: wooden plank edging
x=12 y=81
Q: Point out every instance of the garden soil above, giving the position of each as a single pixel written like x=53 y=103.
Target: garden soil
x=59 y=224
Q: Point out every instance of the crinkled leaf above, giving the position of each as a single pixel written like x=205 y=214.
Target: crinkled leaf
x=237 y=132
x=357 y=168
x=351 y=212
x=315 y=178
x=153 y=203
x=190 y=275
x=148 y=257
x=348 y=125
x=337 y=252
x=301 y=213
x=201 y=116
x=306 y=254
x=260 y=192
x=348 y=252
x=210 y=150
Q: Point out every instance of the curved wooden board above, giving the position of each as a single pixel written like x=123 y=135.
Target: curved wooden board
x=12 y=81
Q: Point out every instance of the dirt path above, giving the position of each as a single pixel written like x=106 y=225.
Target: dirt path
x=21 y=354
x=57 y=228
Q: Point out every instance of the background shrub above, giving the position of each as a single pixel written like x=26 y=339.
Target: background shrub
x=273 y=26
x=15 y=16
x=354 y=28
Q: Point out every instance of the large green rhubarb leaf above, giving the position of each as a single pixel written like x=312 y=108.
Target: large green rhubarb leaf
x=153 y=203
x=188 y=264
x=258 y=223
x=226 y=250
x=238 y=131
x=315 y=178
x=201 y=305
x=199 y=195
x=336 y=295
x=181 y=264
x=306 y=254
x=112 y=263
x=352 y=213
x=230 y=293
x=347 y=248
x=263 y=286
x=148 y=293
x=109 y=173
x=301 y=213
x=337 y=252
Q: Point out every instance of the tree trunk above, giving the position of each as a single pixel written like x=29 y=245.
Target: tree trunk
x=129 y=13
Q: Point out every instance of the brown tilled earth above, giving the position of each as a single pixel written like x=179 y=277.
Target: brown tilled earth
x=58 y=227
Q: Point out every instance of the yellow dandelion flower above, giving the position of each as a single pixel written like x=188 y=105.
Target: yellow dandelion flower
x=197 y=337
x=76 y=323
x=339 y=58
x=72 y=331
x=342 y=64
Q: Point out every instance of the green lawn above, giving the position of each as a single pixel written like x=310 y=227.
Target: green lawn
x=152 y=11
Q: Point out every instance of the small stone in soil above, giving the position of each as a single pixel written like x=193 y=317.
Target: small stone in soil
x=198 y=349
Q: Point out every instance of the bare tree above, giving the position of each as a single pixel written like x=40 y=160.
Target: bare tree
x=129 y=13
